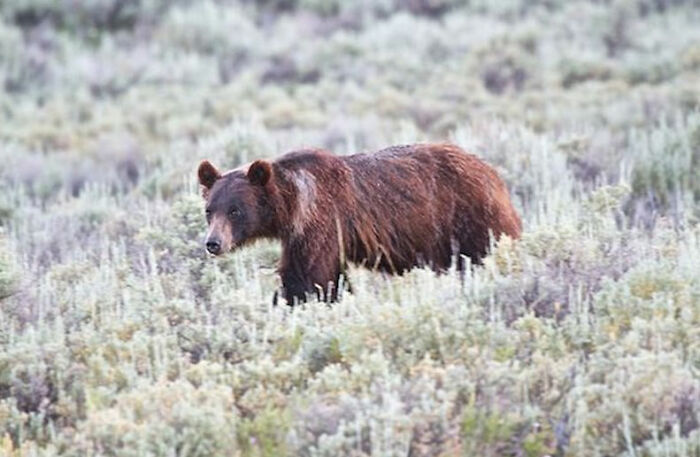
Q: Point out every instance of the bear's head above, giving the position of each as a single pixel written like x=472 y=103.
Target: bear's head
x=238 y=205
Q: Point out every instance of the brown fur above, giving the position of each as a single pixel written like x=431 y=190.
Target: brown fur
x=392 y=210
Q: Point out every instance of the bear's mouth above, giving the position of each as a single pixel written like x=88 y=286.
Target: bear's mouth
x=228 y=249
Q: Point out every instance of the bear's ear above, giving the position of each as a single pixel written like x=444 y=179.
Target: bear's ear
x=208 y=174
x=259 y=172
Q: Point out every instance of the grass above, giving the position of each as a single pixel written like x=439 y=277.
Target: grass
x=120 y=337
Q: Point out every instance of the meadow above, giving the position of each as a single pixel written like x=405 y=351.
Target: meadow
x=120 y=337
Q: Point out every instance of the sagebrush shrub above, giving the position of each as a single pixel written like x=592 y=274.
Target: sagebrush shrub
x=120 y=336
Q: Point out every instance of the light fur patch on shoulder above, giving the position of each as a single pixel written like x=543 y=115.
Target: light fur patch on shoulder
x=305 y=183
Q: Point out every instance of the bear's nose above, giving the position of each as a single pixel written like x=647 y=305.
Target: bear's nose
x=213 y=246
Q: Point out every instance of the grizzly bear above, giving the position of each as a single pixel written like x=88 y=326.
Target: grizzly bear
x=392 y=210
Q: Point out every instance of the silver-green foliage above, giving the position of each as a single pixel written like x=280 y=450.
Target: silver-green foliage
x=120 y=337
x=8 y=269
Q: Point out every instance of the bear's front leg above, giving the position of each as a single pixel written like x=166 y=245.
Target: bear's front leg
x=299 y=285
x=305 y=274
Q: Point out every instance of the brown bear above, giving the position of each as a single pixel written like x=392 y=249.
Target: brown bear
x=404 y=206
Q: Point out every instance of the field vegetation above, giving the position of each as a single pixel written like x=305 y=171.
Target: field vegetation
x=120 y=337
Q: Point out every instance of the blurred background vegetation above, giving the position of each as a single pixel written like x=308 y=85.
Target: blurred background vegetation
x=119 y=337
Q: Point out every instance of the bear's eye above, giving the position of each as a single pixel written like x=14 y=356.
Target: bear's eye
x=207 y=213
x=235 y=212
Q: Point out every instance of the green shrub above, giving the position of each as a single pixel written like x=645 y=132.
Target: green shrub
x=9 y=272
x=263 y=435
x=101 y=14
x=666 y=167
x=161 y=420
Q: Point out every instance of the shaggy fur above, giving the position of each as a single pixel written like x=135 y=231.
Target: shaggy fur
x=391 y=210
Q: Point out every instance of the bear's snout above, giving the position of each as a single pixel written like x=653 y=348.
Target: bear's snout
x=219 y=239
x=214 y=247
